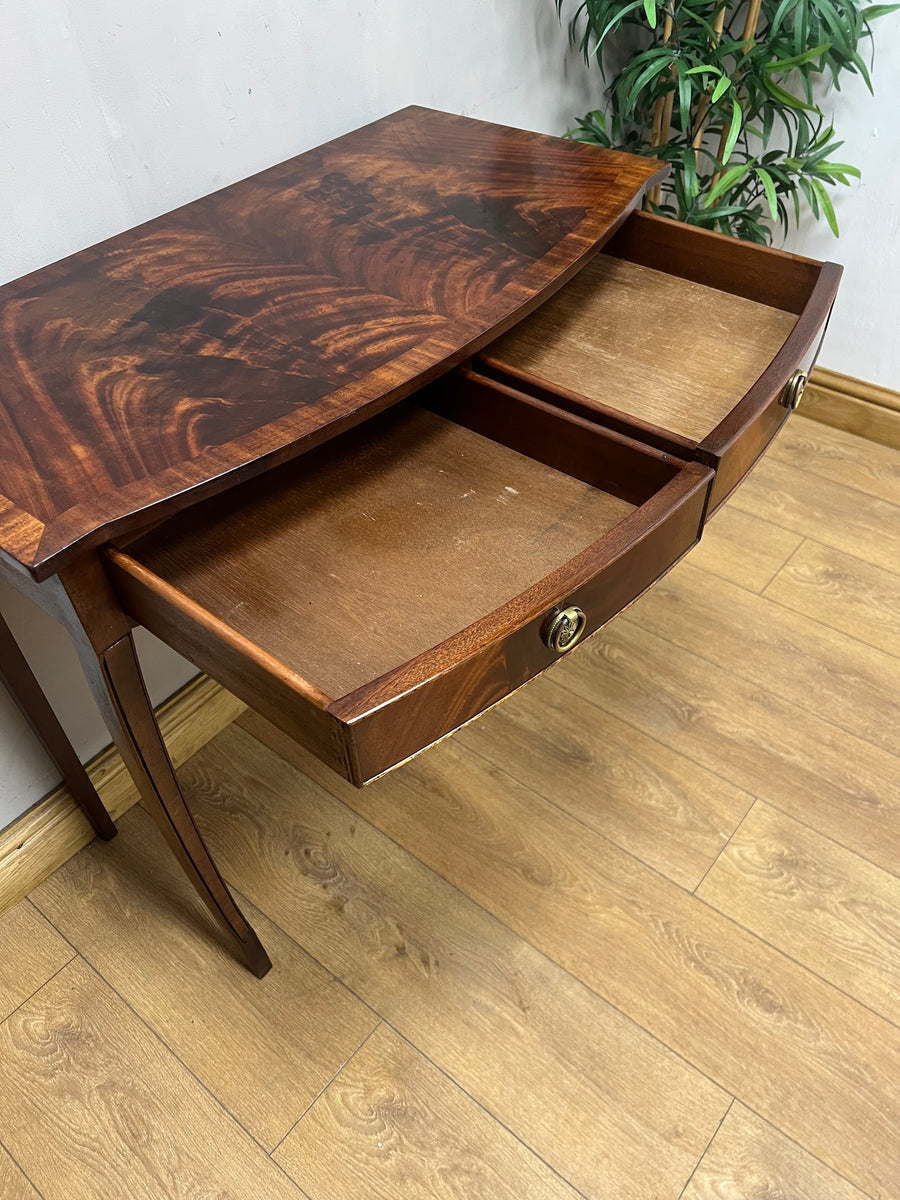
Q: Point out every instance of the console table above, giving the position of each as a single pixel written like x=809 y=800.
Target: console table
x=379 y=434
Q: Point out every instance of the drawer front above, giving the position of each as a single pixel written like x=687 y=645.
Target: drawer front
x=389 y=723
x=737 y=445
x=400 y=581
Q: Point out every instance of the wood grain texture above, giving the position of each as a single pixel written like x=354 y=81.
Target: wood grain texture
x=749 y=1160
x=843 y=592
x=825 y=511
x=194 y=347
x=840 y=456
x=32 y=952
x=863 y=409
x=582 y=1086
x=92 y=1104
x=797 y=762
x=746 y=550
x=609 y=335
x=829 y=909
x=330 y=568
x=264 y=1050
x=821 y=1067
x=392 y=1127
x=47 y=835
x=13 y=1184
x=791 y=655
x=654 y=803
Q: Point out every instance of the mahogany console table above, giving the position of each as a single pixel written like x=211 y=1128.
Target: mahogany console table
x=376 y=435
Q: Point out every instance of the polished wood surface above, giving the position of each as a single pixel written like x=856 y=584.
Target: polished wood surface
x=109 y=659
x=425 y=894
x=232 y=333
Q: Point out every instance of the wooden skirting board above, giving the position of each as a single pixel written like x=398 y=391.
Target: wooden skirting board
x=46 y=836
x=55 y=828
x=866 y=409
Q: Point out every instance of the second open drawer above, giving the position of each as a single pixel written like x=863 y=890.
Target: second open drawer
x=683 y=338
x=376 y=593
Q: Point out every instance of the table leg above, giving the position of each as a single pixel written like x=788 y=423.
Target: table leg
x=115 y=678
x=21 y=684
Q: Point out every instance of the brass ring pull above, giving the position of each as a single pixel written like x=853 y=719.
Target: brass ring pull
x=793 y=393
x=564 y=629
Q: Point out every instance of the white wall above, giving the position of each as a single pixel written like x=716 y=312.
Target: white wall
x=864 y=335
x=115 y=112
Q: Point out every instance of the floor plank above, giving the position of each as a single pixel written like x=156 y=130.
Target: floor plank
x=843 y=592
x=645 y=797
x=842 y=786
x=392 y=1127
x=597 y=1098
x=842 y=457
x=92 y=1105
x=264 y=1048
x=826 y=907
x=749 y=1160
x=32 y=952
x=744 y=549
x=13 y=1184
x=817 y=1064
x=790 y=655
x=829 y=512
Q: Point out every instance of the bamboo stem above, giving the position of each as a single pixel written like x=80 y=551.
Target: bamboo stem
x=703 y=105
x=656 y=137
x=750 y=27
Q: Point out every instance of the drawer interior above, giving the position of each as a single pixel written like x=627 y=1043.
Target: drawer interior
x=669 y=351
x=390 y=539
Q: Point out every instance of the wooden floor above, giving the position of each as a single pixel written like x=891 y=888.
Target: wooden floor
x=635 y=935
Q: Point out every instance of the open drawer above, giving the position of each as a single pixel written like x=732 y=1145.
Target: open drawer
x=374 y=594
x=686 y=339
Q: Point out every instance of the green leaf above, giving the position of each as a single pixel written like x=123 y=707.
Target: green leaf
x=733 y=131
x=684 y=96
x=785 y=97
x=650 y=10
x=729 y=179
x=874 y=11
x=827 y=206
x=720 y=89
x=769 y=188
x=783 y=65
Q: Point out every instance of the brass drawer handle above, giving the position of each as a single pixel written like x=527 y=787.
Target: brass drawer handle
x=563 y=629
x=793 y=393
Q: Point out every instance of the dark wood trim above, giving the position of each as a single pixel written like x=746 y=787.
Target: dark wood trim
x=393 y=718
x=613 y=548
x=593 y=411
x=115 y=678
x=28 y=694
x=765 y=275
x=552 y=435
x=292 y=703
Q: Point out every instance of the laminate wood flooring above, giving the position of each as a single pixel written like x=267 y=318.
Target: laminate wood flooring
x=633 y=935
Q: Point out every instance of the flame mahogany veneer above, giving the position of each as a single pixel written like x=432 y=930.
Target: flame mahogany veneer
x=349 y=433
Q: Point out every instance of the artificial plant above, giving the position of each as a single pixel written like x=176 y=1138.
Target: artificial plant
x=725 y=92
